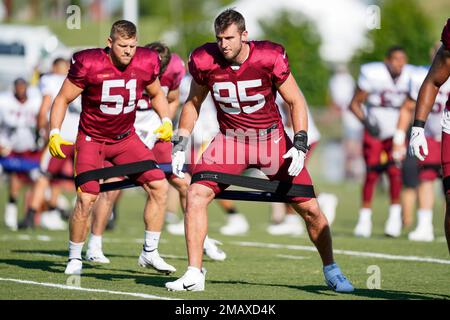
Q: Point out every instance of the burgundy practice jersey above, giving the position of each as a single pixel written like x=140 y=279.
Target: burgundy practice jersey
x=244 y=98
x=110 y=95
x=170 y=79
x=445 y=37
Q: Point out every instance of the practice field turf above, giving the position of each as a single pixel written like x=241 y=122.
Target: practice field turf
x=258 y=265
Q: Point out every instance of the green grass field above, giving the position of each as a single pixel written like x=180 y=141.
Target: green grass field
x=289 y=269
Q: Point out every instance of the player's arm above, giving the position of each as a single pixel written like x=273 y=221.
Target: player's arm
x=161 y=106
x=173 y=98
x=66 y=95
x=403 y=123
x=189 y=115
x=46 y=104
x=296 y=103
x=191 y=108
x=356 y=106
x=436 y=77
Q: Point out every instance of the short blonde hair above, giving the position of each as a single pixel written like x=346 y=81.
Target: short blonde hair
x=123 y=28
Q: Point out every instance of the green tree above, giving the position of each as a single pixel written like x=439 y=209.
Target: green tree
x=298 y=36
x=404 y=23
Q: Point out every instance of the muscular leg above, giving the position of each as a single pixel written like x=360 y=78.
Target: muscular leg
x=103 y=209
x=318 y=228
x=79 y=220
x=196 y=222
x=155 y=207
x=181 y=186
x=447 y=220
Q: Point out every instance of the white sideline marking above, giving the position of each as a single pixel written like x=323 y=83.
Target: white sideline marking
x=61 y=286
x=291 y=257
x=345 y=252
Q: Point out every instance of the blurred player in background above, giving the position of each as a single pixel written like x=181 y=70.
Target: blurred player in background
x=437 y=76
x=51 y=168
x=19 y=109
x=382 y=88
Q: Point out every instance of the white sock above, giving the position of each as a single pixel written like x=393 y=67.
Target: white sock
x=151 y=240
x=424 y=217
x=194 y=269
x=95 y=242
x=395 y=212
x=75 y=250
x=365 y=214
x=292 y=218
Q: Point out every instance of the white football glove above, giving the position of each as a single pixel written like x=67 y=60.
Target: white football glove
x=178 y=160
x=298 y=161
x=179 y=155
x=418 y=141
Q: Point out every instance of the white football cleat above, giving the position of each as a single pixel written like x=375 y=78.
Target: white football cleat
x=74 y=267
x=393 y=227
x=328 y=203
x=11 y=216
x=153 y=260
x=171 y=217
x=96 y=255
x=422 y=233
x=292 y=225
x=236 y=225
x=212 y=250
x=176 y=229
x=363 y=228
x=52 y=220
x=192 y=280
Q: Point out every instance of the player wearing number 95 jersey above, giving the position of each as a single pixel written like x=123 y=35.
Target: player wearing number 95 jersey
x=243 y=78
x=110 y=82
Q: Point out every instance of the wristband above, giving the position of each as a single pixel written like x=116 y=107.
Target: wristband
x=399 y=137
x=54 y=131
x=419 y=123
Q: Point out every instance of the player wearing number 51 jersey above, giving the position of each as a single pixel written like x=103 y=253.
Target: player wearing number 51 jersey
x=111 y=81
x=243 y=78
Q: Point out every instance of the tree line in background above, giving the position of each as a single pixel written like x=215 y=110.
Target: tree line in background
x=403 y=22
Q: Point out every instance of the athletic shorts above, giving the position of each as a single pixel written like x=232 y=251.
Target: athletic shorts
x=233 y=155
x=91 y=154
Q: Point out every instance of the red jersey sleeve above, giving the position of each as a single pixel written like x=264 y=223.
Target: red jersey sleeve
x=78 y=69
x=152 y=65
x=445 y=37
x=281 y=68
x=194 y=69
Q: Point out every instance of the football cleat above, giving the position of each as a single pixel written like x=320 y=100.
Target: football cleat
x=152 y=259
x=328 y=203
x=336 y=280
x=393 y=227
x=363 y=228
x=96 y=255
x=192 y=280
x=212 y=250
x=176 y=228
x=11 y=216
x=74 y=267
x=52 y=220
x=236 y=225
x=422 y=233
x=292 y=225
